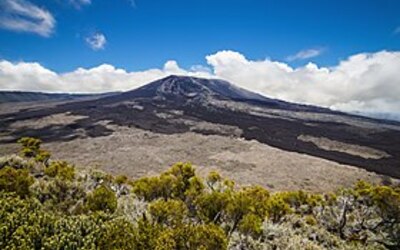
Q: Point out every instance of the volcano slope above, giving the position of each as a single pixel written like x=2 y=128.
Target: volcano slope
x=214 y=124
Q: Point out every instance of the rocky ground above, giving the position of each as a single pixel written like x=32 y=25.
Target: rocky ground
x=136 y=153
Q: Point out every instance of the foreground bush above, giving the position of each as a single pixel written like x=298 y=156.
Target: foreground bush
x=102 y=199
x=15 y=180
x=48 y=204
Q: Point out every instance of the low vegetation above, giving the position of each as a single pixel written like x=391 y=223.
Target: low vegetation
x=48 y=204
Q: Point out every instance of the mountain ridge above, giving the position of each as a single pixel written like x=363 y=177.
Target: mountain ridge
x=32 y=96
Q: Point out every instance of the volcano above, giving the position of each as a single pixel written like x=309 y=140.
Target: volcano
x=178 y=104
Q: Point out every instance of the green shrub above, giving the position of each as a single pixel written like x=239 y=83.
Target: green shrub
x=102 y=199
x=15 y=162
x=277 y=207
x=169 y=213
x=15 y=180
x=60 y=169
x=147 y=234
x=116 y=234
x=30 y=146
x=204 y=236
x=100 y=177
x=42 y=156
x=211 y=207
x=22 y=222
x=121 y=179
x=31 y=149
x=188 y=236
x=181 y=174
x=213 y=178
x=251 y=225
x=151 y=188
x=62 y=196
x=177 y=182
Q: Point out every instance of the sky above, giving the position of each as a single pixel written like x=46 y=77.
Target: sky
x=342 y=54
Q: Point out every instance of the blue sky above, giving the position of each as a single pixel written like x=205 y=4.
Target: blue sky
x=149 y=32
x=341 y=54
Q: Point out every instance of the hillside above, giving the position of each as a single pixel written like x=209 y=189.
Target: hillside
x=48 y=204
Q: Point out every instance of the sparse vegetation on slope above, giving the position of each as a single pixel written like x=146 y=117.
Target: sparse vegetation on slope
x=48 y=204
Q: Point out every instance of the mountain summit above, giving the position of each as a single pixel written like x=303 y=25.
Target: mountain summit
x=183 y=90
x=196 y=88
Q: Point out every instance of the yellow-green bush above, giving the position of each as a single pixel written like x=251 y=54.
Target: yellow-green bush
x=15 y=180
x=210 y=207
x=31 y=149
x=121 y=179
x=168 y=212
x=251 y=225
x=177 y=182
x=116 y=234
x=102 y=199
x=60 y=169
x=151 y=188
x=60 y=195
x=277 y=207
x=205 y=236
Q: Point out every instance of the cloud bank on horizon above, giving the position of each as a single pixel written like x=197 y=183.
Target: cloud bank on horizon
x=365 y=82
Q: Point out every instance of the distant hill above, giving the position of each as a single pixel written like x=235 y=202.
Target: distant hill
x=24 y=96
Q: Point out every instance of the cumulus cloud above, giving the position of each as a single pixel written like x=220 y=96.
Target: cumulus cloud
x=24 y=16
x=305 y=54
x=103 y=78
x=96 y=41
x=366 y=82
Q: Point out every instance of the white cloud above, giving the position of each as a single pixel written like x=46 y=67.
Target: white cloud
x=305 y=54
x=173 y=67
x=103 y=78
x=397 y=30
x=364 y=82
x=200 y=68
x=23 y=16
x=79 y=3
x=96 y=41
